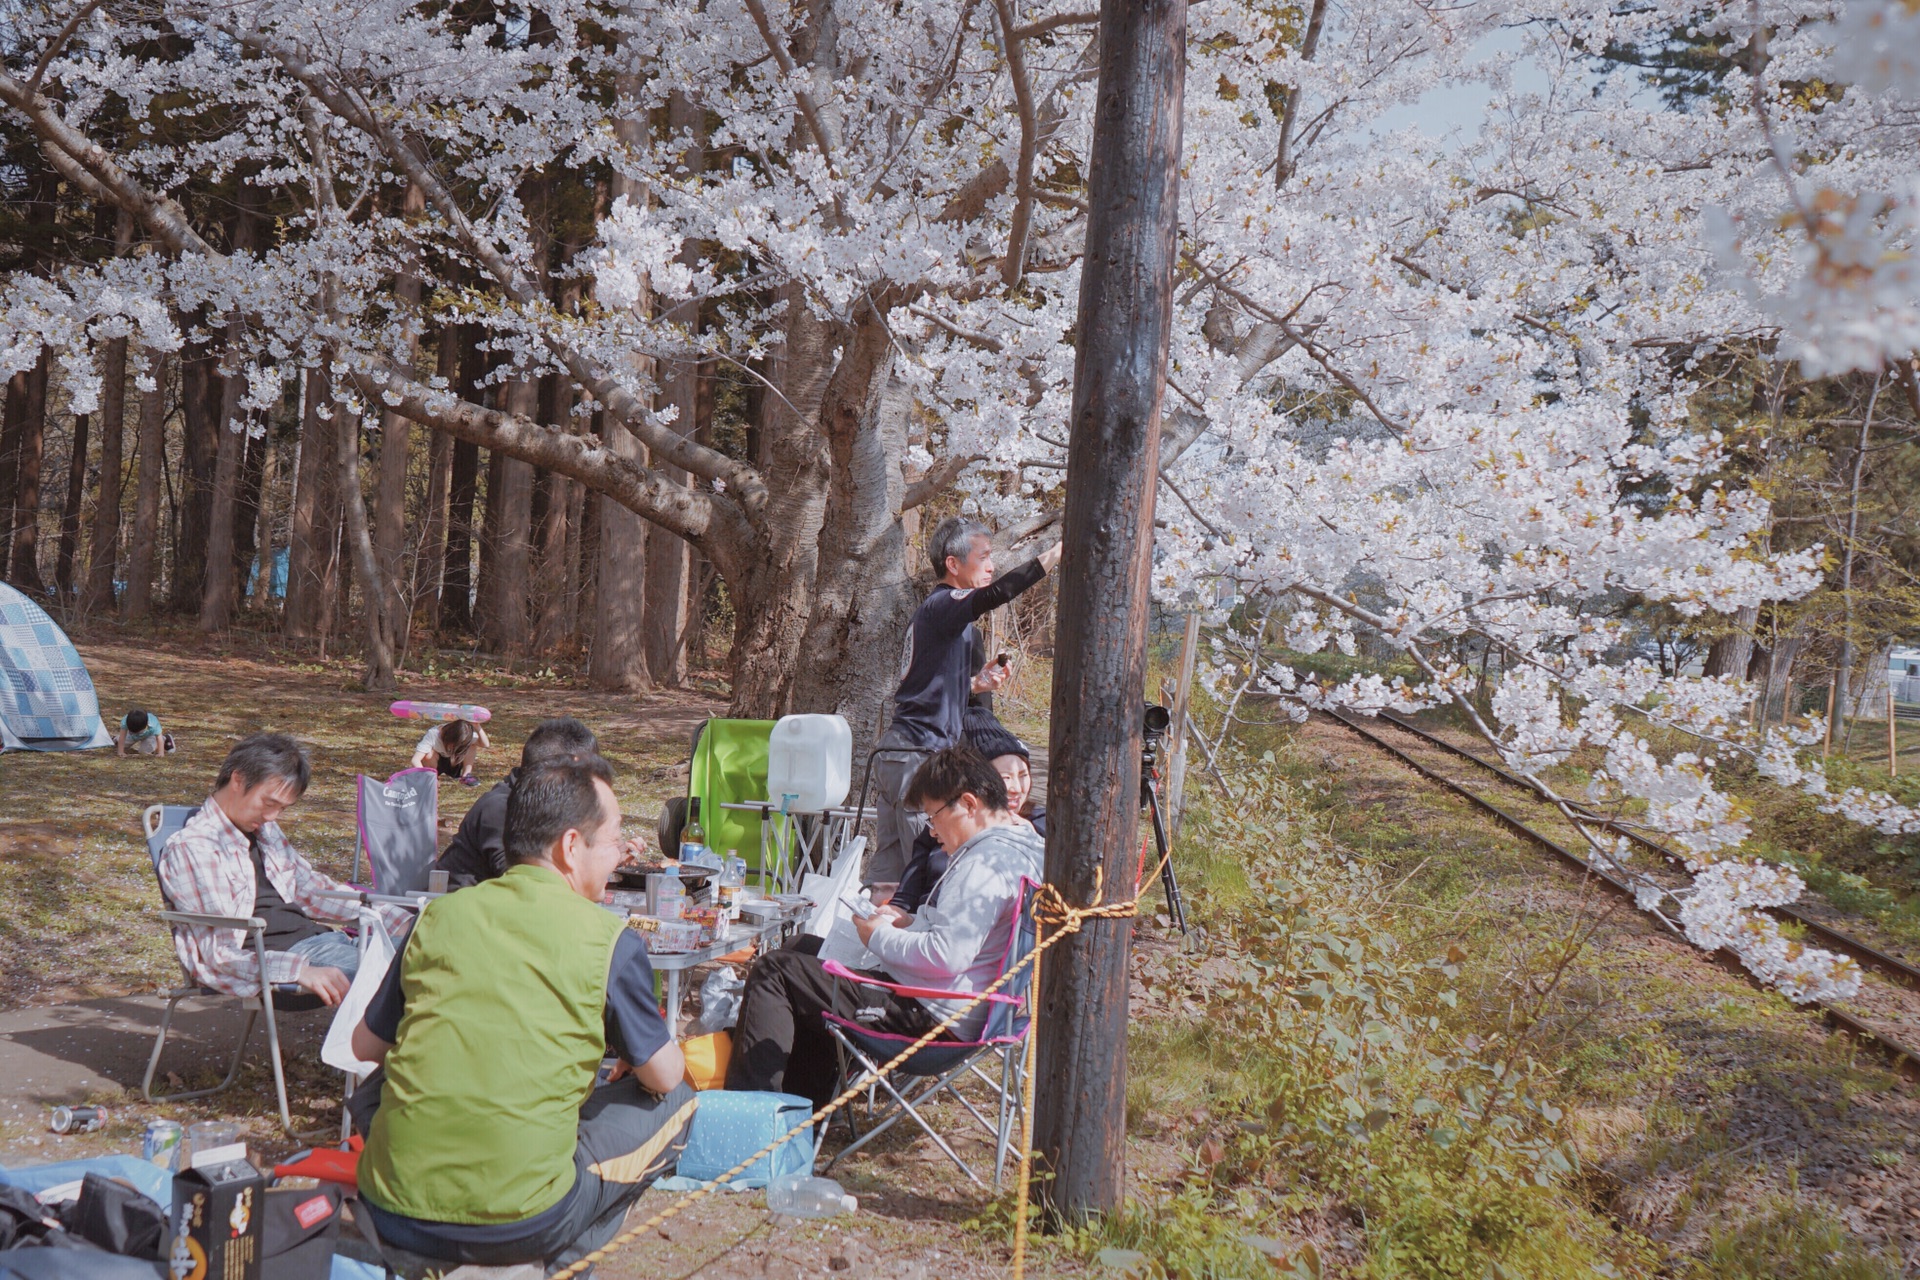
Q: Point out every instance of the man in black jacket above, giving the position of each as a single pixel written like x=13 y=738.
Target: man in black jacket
x=477 y=852
x=937 y=676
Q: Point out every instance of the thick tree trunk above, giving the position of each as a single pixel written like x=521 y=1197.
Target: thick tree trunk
x=1729 y=655
x=315 y=515
x=29 y=452
x=70 y=512
x=553 y=495
x=230 y=455
x=103 y=560
x=667 y=553
x=503 y=621
x=772 y=585
x=1093 y=833
x=200 y=389
x=151 y=445
x=864 y=595
x=396 y=438
x=619 y=657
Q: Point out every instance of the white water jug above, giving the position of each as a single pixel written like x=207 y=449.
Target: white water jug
x=809 y=763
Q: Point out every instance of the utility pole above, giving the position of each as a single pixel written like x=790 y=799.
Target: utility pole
x=1099 y=682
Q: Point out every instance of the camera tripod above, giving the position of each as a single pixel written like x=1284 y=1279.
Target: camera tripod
x=1150 y=801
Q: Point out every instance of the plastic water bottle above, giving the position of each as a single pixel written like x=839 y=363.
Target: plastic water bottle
x=733 y=878
x=799 y=1196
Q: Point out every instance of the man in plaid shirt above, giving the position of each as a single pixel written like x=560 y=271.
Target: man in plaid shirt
x=230 y=859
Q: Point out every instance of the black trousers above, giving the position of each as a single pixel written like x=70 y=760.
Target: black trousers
x=781 y=1042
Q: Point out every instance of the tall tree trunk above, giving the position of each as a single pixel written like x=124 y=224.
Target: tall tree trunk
x=70 y=512
x=358 y=539
x=222 y=584
x=456 y=585
x=667 y=553
x=200 y=395
x=1113 y=449
x=503 y=625
x=104 y=556
x=553 y=496
x=12 y=423
x=1843 y=668
x=396 y=436
x=246 y=511
x=261 y=539
x=456 y=599
x=432 y=554
x=587 y=562
x=151 y=445
x=486 y=586
x=23 y=569
x=577 y=508
x=619 y=657
x=315 y=514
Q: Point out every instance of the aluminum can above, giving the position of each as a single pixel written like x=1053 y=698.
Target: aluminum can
x=78 y=1119
x=161 y=1145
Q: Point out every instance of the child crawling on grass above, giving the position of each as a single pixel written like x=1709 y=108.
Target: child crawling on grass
x=451 y=748
x=140 y=733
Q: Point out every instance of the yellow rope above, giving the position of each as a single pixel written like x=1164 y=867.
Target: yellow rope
x=1049 y=908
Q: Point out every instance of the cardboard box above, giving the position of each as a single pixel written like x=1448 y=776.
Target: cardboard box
x=217 y=1209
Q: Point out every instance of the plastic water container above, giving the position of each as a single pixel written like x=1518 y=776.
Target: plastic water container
x=809 y=763
x=798 y=1196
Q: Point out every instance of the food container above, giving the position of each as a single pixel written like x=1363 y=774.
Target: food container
x=709 y=919
x=666 y=937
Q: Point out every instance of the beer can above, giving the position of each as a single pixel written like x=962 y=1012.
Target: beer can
x=161 y=1145
x=78 y=1119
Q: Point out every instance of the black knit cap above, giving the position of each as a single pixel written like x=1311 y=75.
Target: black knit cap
x=985 y=734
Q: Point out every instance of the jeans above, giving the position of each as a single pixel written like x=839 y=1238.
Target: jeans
x=895 y=824
x=627 y=1138
x=330 y=950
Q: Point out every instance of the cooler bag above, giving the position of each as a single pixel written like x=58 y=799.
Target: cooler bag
x=728 y=1126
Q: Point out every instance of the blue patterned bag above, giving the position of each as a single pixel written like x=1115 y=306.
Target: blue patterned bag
x=730 y=1126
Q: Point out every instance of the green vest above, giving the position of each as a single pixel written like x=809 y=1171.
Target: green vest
x=506 y=988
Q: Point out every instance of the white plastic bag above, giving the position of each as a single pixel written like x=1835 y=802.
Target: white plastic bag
x=719 y=1002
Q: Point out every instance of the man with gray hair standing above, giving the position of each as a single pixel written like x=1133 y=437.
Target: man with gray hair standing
x=937 y=676
x=231 y=859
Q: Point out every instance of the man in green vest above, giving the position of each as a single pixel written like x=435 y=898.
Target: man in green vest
x=491 y=1143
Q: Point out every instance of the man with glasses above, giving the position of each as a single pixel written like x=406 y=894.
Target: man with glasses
x=955 y=942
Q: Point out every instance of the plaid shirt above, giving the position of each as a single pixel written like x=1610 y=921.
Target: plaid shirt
x=207 y=869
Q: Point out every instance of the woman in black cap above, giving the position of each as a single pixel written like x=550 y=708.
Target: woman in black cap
x=982 y=731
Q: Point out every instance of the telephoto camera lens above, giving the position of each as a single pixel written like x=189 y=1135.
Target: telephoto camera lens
x=1157 y=720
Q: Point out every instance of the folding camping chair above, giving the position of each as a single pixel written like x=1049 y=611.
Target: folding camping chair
x=398 y=825
x=942 y=1065
x=158 y=823
x=728 y=776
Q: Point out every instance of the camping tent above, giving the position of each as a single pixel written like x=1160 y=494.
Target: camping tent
x=47 y=701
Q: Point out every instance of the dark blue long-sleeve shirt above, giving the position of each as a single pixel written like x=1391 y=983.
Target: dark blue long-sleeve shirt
x=937 y=674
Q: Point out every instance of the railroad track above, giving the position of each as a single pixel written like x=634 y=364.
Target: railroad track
x=1884 y=1015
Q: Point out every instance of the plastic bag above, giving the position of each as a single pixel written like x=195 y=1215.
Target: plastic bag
x=719 y=1002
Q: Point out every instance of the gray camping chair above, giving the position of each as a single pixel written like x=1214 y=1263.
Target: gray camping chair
x=159 y=823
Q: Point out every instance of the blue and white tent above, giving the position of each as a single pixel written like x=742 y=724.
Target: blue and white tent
x=47 y=702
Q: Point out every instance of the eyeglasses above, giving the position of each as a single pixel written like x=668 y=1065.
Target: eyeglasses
x=934 y=813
